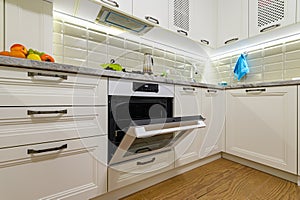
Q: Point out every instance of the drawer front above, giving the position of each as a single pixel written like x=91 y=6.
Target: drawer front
x=28 y=125
x=136 y=170
x=53 y=175
x=26 y=87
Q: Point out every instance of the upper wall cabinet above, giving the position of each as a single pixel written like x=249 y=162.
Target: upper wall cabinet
x=203 y=21
x=266 y=15
x=298 y=10
x=180 y=16
x=1 y=24
x=232 y=21
x=155 y=11
x=29 y=24
x=122 y=5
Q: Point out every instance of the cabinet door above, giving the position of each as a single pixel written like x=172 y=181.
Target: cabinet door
x=180 y=16
x=213 y=109
x=232 y=21
x=155 y=11
x=122 y=5
x=261 y=126
x=29 y=24
x=2 y=25
x=203 y=22
x=71 y=169
x=187 y=103
x=272 y=14
x=298 y=10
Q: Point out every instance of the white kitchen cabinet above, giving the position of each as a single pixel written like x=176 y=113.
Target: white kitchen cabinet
x=187 y=103
x=122 y=5
x=180 y=16
x=29 y=23
x=269 y=15
x=298 y=130
x=24 y=87
x=2 y=24
x=213 y=109
x=298 y=11
x=232 y=21
x=261 y=125
x=203 y=22
x=155 y=11
x=72 y=169
x=126 y=173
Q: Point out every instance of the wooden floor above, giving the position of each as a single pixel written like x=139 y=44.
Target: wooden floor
x=221 y=180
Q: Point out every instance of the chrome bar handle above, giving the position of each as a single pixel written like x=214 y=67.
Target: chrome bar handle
x=189 y=89
x=33 y=74
x=111 y=3
x=32 y=112
x=256 y=90
x=182 y=32
x=152 y=19
x=231 y=40
x=212 y=91
x=147 y=162
x=269 y=28
x=33 y=151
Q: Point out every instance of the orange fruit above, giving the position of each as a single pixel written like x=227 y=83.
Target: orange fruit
x=19 y=47
x=4 y=53
x=17 y=54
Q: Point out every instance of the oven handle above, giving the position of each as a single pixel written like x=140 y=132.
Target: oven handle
x=140 y=131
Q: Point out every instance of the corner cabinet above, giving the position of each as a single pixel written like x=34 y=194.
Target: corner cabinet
x=29 y=24
x=188 y=102
x=213 y=109
x=232 y=21
x=261 y=126
x=203 y=22
x=269 y=15
x=154 y=11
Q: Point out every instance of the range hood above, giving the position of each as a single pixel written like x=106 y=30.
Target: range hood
x=110 y=17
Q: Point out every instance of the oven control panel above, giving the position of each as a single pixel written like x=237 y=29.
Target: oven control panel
x=145 y=87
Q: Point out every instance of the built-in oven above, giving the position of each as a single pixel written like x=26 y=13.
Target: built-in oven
x=141 y=120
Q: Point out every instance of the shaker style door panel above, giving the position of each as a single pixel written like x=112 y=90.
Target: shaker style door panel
x=29 y=24
x=76 y=169
x=154 y=11
x=25 y=87
x=261 y=125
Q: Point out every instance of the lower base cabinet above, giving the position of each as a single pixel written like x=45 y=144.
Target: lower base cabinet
x=128 y=172
x=76 y=171
x=261 y=126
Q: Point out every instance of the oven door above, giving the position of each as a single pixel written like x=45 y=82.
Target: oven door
x=145 y=137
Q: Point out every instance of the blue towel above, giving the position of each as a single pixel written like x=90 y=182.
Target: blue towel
x=241 y=67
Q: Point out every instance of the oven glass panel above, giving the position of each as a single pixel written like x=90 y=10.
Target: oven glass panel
x=123 y=110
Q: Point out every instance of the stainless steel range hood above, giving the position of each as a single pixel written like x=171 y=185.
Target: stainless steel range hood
x=110 y=17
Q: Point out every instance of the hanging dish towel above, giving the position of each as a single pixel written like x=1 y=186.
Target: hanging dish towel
x=241 y=67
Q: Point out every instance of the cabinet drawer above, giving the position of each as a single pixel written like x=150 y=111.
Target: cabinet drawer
x=61 y=174
x=26 y=87
x=28 y=125
x=129 y=172
x=187 y=101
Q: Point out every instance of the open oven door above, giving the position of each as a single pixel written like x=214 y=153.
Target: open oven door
x=145 y=137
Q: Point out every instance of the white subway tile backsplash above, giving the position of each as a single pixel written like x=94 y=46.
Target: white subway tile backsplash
x=291 y=73
x=293 y=55
x=255 y=62
x=75 y=31
x=292 y=64
x=58 y=50
x=273 y=76
x=273 y=59
x=75 y=53
x=273 y=50
x=71 y=41
x=292 y=46
x=97 y=47
x=74 y=61
x=97 y=57
x=273 y=67
x=96 y=36
x=57 y=38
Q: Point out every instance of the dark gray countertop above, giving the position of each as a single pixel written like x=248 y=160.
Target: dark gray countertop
x=25 y=63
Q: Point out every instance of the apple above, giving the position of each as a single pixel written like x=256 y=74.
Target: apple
x=19 y=47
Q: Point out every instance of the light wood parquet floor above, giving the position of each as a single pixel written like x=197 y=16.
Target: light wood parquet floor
x=221 y=180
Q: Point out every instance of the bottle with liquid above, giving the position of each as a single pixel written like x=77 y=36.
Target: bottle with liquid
x=148 y=63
